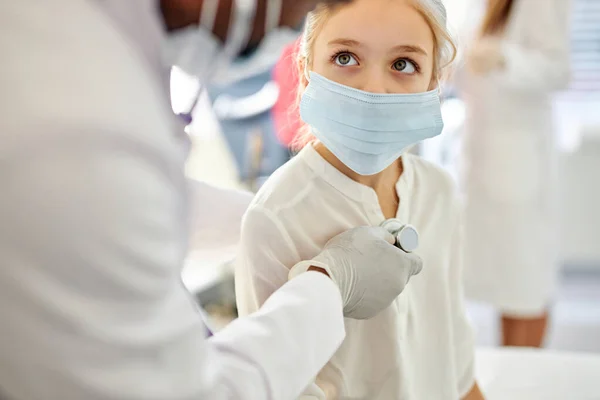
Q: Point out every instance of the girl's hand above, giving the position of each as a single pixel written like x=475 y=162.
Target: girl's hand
x=486 y=56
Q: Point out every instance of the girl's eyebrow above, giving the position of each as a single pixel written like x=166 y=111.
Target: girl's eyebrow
x=409 y=49
x=345 y=42
x=405 y=48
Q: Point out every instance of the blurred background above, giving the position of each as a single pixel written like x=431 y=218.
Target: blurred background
x=245 y=136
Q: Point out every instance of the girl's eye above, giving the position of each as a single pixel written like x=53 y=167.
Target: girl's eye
x=405 y=66
x=345 y=60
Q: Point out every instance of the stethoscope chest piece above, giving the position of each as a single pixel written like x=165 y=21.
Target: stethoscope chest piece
x=407 y=237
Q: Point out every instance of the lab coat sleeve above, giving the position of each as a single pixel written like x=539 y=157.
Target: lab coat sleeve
x=539 y=58
x=217 y=216
x=463 y=335
x=266 y=255
x=92 y=241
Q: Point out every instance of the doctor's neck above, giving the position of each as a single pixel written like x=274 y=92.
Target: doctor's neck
x=178 y=14
x=380 y=182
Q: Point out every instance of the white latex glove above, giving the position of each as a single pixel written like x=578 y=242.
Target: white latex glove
x=368 y=269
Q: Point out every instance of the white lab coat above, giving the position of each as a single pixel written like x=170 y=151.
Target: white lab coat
x=508 y=165
x=94 y=227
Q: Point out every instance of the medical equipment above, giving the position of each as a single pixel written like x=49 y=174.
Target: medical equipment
x=407 y=237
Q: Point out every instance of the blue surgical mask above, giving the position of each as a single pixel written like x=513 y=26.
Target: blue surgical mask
x=368 y=131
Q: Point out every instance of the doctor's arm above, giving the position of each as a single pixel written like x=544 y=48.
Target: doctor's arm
x=93 y=307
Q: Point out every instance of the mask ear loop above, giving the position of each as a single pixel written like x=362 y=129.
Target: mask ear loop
x=306 y=74
x=437 y=86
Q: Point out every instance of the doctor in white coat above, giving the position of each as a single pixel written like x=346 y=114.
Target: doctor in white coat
x=519 y=57
x=95 y=216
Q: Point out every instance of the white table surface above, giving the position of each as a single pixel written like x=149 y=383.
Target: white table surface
x=528 y=374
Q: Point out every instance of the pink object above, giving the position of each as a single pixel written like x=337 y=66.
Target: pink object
x=286 y=117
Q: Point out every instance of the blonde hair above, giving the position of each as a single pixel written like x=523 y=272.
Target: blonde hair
x=434 y=13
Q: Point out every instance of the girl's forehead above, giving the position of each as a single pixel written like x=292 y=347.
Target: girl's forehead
x=379 y=24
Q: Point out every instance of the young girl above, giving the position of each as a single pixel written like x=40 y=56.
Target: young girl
x=370 y=72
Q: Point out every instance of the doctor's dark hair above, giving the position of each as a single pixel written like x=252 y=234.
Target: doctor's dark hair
x=434 y=13
x=496 y=17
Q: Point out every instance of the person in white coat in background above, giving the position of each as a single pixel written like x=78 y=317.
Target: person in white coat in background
x=95 y=215
x=517 y=60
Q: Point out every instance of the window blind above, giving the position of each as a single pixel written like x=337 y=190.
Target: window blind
x=585 y=47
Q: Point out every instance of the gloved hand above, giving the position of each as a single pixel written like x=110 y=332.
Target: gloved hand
x=368 y=269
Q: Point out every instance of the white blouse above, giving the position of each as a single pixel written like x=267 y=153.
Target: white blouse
x=422 y=346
